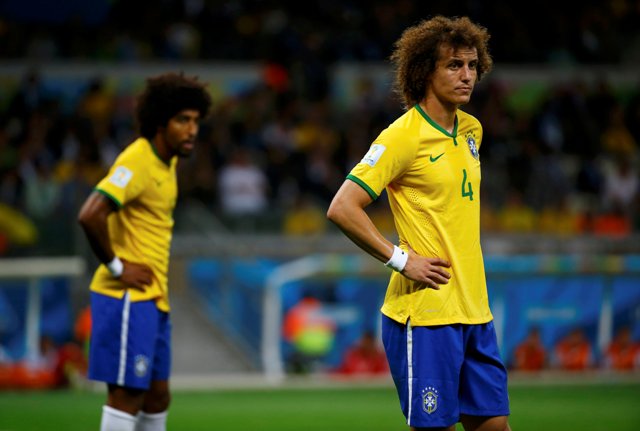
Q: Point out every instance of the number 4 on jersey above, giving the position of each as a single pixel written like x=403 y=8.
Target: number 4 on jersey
x=467 y=190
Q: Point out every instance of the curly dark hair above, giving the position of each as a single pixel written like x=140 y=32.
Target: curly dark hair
x=417 y=51
x=165 y=96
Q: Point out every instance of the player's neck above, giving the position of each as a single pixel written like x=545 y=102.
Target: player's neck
x=161 y=147
x=443 y=115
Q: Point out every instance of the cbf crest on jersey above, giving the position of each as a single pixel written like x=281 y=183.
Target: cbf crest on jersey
x=429 y=399
x=471 y=142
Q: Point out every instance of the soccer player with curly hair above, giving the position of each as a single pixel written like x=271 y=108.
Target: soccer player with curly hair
x=437 y=327
x=128 y=221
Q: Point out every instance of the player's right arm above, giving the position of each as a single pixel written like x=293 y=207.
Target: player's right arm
x=347 y=212
x=93 y=218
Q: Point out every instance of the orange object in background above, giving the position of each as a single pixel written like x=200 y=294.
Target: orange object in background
x=364 y=358
x=574 y=352
x=530 y=355
x=55 y=367
x=623 y=354
x=82 y=327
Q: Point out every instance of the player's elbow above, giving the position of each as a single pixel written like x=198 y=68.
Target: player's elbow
x=336 y=211
x=85 y=219
x=88 y=215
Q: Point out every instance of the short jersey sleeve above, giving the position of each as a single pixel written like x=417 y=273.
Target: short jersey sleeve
x=390 y=155
x=126 y=179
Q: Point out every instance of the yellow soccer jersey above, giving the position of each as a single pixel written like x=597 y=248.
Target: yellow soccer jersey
x=432 y=179
x=145 y=189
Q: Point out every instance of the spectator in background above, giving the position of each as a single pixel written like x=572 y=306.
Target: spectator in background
x=559 y=218
x=310 y=332
x=589 y=180
x=574 y=352
x=243 y=187
x=546 y=174
x=623 y=354
x=96 y=111
x=30 y=96
x=530 y=354
x=278 y=138
x=619 y=198
x=42 y=192
x=364 y=358
x=304 y=218
x=317 y=140
x=97 y=105
x=52 y=368
x=621 y=186
x=71 y=365
x=617 y=140
x=515 y=215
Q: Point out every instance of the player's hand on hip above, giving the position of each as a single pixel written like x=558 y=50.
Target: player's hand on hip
x=136 y=275
x=428 y=270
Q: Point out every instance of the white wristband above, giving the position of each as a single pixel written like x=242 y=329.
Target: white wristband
x=398 y=259
x=115 y=267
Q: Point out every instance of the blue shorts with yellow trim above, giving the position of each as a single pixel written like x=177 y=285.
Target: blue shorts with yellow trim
x=442 y=372
x=130 y=342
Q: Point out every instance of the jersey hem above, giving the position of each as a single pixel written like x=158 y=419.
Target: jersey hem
x=435 y=322
x=119 y=294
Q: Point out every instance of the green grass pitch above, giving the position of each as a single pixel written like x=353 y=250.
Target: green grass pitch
x=584 y=407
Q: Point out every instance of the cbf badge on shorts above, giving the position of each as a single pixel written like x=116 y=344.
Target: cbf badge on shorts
x=141 y=365
x=429 y=399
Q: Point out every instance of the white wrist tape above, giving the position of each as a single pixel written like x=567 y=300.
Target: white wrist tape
x=115 y=267
x=398 y=259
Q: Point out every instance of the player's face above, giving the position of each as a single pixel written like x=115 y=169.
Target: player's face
x=455 y=75
x=181 y=132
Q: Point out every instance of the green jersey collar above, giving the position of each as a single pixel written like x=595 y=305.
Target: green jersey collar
x=155 y=151
x=437 y=126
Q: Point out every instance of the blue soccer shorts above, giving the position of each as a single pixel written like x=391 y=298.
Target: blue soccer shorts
x=130 y=342
x=441 y=372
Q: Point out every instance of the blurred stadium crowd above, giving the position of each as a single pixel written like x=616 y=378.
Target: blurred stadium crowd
x=333 y=30
x=270 y=158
